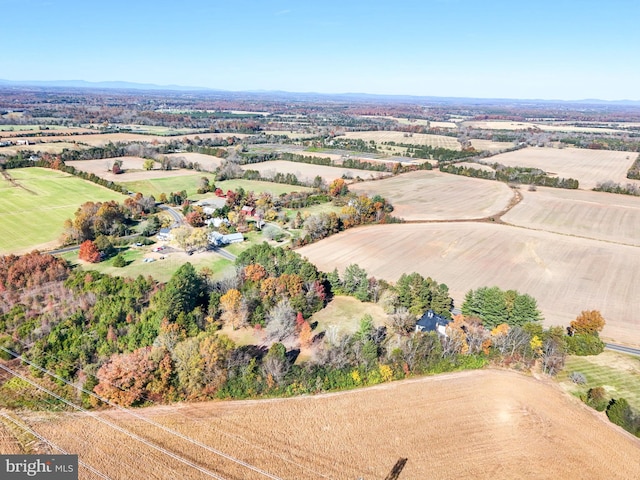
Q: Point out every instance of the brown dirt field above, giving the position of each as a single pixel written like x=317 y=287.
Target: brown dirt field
x=207 y=162
x=307 y=172
x=133 y=167
x=432 y=195
x=598 y=215
x=8 y=443
x=490 y=145
x=587 y=166
x=476 y=424
x=54 y=148
x=548 y=127
x=564 y=274
x=399 y=137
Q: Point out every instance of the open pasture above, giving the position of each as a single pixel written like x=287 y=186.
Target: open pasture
x=432 y=195
x=258 y=186
x=207 y=162
x=490 y=145
x=444 y=425
x=597 y=215
x=291 y=134
x=133 y=170
x=7 y=131
x=306 y=172
x=156 y=182
x=589 y=167
x=32 y=215
x=380 y=137
x=344 y=314
x=160 y=269
x=565 y=274
x=101 y=139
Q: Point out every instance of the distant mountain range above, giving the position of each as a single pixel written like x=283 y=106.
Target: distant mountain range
x=119 y=85
x=116 y=85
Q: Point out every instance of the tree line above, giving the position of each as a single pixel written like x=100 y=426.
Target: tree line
x=524 y=175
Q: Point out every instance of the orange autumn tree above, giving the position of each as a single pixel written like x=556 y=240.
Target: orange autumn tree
x=232 y=311
x=589 y=322
x=89 y=252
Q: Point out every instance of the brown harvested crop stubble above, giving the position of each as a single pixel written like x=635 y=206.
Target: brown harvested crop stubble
x=475 y=424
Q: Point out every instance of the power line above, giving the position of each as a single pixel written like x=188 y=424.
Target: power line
x=167 y=429
x=134 y=436
x=30 y=431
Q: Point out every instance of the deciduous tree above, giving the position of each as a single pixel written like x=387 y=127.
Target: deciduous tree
x=589 y=321
x=89 y=252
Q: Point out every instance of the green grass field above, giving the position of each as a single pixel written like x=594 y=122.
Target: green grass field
x=259 y=187
x=160 y=130
x=344 y=313
x=26 y=128
x=35 y=215
x=161 y=270
x=156 y=186
x=190 y=183
x=618 y=373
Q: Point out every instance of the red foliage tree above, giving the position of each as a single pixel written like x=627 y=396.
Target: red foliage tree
x=195 y=218
x=124 y=378
x=89 y=252
x=30 y=270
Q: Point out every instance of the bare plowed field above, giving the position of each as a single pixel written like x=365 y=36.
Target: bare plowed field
x=469 y=425
x=490 y=145
x=414 y=139
x=547 y=127
x=54 y=147
x=8 y=443
x=598 y=215
x=565 y=274
x=431 y=195
x=306 y=172
x=587 y=166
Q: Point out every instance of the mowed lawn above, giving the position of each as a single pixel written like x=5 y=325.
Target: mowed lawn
x=156 y=186
x=160 y=270
x=33 y=214
x=617 y=373
x=190 y=183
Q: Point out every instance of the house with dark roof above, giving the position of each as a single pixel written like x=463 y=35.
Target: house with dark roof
x=432 y=322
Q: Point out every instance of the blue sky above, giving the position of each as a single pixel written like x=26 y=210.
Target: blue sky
x=561 y=49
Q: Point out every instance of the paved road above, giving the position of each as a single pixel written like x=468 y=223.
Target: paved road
x=178 y=219
x=224 y=253
x=623 y=349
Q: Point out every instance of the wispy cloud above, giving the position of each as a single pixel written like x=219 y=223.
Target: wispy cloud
x=283 y=12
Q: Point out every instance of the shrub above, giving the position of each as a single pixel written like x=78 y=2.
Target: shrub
x=597 y=398
x=578 y=378
x=585 y=344
x=620 y=413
